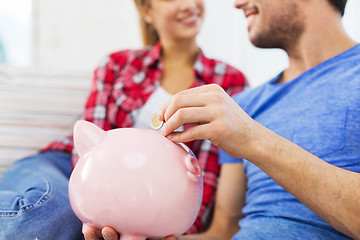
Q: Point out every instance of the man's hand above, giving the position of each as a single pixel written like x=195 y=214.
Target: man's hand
x=324 y=188
x=216 y=117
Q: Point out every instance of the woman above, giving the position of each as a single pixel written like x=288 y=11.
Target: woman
x=133 y=84
x=169 y=68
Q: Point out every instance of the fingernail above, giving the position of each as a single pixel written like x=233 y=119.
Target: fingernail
x=107 y=236
x=163 y=130
x=159 y=115
x=87 y=237
x=170 y=137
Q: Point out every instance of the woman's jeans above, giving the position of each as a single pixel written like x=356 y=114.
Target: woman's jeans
x=34 y=201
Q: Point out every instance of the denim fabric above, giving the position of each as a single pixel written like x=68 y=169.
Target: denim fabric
x=34 y=202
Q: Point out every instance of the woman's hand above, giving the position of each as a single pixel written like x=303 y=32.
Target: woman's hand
x=107 y=233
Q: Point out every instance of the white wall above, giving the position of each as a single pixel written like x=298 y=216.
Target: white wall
x=74 y=35
x=351 y=19
x=15 y=32
x=225 y=36
x=90 y=29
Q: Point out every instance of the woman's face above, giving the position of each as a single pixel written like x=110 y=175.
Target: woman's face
x=175 y=19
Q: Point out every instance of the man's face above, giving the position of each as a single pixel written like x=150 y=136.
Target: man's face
x=272 y=23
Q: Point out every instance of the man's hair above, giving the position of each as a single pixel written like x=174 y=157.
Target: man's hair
x=339 y=5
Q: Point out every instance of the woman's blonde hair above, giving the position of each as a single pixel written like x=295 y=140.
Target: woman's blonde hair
x=149 y=34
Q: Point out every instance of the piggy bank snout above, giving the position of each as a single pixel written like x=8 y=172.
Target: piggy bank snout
x=193 y=168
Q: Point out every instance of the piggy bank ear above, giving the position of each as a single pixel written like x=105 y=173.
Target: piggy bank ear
x=86 y=136
x=193 y=168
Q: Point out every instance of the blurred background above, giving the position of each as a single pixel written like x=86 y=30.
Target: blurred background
x=74 y=35
x=49 y=49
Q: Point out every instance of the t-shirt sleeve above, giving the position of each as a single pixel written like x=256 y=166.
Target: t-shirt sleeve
x=225 y=158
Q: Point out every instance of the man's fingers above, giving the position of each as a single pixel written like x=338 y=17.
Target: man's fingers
x=188 y=98
x=163 y=109
x=193 y=133
x=201 y=89
x=190 y=115
x=183 y=101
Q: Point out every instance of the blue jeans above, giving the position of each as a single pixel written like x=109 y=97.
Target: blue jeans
x=34 y=202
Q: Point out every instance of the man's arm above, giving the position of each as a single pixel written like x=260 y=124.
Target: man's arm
x=331 y=192
x=230 y=199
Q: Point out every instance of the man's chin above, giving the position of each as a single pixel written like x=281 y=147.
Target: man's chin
x=261 y=41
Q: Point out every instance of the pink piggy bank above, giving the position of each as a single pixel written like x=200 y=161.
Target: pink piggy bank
x=135 y=181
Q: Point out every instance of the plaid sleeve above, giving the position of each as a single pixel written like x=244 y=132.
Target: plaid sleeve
x=99 y=99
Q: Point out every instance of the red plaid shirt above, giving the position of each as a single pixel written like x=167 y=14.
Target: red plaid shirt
x=124 y=83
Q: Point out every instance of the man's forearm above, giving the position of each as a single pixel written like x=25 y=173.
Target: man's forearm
x=331 y=192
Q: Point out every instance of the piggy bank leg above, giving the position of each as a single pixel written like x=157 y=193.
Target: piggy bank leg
x=131 y=237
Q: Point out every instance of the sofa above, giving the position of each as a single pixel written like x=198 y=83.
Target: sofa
x=37 y=106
